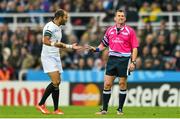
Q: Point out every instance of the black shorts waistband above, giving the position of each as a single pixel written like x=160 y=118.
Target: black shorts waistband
x=118 y=56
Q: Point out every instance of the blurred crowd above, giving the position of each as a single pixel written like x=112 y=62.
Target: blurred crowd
x=133 y=7
x=20 y=49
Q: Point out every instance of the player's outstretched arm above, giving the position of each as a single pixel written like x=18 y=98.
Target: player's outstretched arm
x=75 y=46
x=46 y=41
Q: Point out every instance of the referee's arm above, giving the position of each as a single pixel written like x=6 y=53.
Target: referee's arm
x=101 y=46
x=97 y=49
x=133 y=59
x=134 y=54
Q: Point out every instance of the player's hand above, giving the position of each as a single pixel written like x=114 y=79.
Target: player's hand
x=132 y=67
x=76 y=47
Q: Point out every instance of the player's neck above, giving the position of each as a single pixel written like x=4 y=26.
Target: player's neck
x=56 y=22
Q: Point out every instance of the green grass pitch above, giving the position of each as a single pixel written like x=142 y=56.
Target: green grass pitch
x=89 y=112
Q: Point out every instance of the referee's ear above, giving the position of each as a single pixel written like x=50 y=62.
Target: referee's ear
x=115 y=18
x=125 y=18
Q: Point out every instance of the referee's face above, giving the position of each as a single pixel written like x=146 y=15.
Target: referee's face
x=64 y=18
x=120 y=18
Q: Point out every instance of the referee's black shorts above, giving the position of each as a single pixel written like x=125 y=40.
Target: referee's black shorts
x=117 y=66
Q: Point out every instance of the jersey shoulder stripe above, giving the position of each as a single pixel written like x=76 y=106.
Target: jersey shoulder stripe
x=47 y=34
x=48 y=31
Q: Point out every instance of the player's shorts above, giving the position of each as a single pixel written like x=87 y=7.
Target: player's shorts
x=51 y=64
x=117 y=66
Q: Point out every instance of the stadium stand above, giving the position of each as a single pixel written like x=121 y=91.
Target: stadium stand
x=156 y=23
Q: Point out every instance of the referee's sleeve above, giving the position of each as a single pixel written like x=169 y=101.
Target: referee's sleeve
x=48 y=33
x=134 y=40
x=105 y=41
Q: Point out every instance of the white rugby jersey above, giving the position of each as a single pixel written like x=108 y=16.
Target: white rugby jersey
x=55 y=33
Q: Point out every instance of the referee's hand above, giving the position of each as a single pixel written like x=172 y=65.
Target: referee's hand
x=132 y=67
x=90 y=48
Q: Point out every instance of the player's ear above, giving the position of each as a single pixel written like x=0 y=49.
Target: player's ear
x=60 y=17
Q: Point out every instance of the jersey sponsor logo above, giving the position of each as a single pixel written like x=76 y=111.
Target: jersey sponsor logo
x=86 y=94
x=117 y=40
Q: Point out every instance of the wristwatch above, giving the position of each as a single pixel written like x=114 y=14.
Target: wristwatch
x=134 y=62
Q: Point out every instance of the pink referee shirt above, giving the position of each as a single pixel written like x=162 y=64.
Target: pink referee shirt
x=120 y=42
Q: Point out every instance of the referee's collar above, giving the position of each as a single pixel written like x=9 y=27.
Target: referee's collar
x=122 y=28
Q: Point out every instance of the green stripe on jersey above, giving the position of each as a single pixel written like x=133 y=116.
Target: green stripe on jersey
x=48 y=33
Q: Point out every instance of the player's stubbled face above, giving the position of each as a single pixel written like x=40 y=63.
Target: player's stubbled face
x=120 y=18
x=64 y=19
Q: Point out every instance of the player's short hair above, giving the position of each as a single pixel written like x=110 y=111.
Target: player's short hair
x=120 y=10
x=59 y=13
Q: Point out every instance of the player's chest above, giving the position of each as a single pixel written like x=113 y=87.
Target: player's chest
x=57 y=33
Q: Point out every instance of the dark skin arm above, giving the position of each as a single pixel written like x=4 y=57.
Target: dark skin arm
x=46 y=41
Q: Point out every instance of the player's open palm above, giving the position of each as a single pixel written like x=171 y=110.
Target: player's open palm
x=75 y=46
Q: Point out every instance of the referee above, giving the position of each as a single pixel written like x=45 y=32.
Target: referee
x=122 y=43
